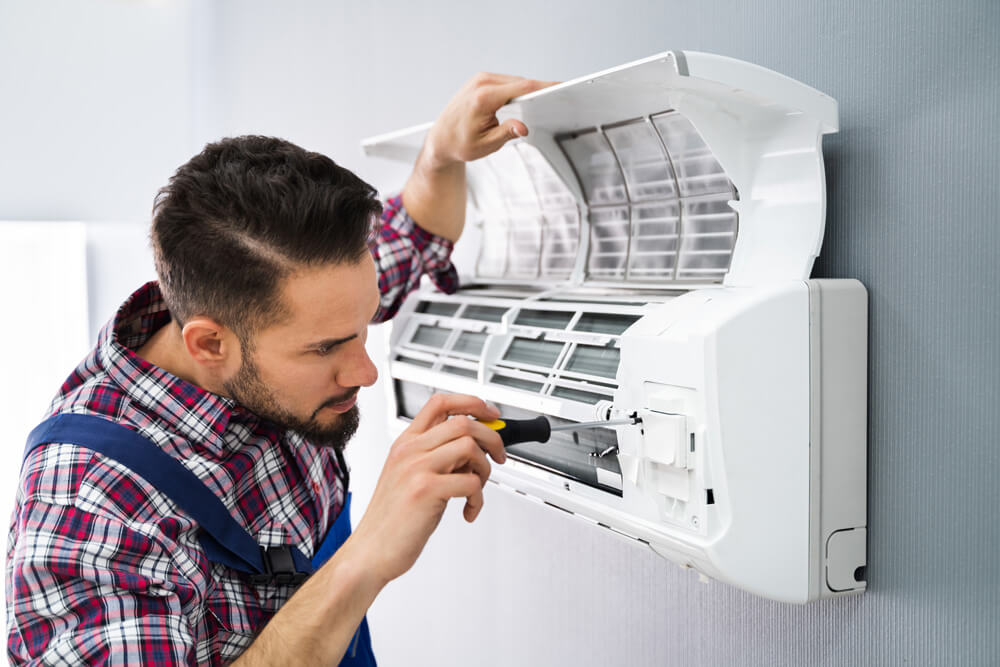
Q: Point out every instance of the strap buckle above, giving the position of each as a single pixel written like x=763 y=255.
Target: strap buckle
x=279 y=567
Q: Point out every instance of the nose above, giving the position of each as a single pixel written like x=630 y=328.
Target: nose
x=359 y=371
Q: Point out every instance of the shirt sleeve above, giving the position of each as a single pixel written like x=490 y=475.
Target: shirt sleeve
x=85 y=587
x=403 y=253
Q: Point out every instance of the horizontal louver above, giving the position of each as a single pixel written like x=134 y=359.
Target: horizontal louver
x=580 y=396
x=517 y=383
x=581 y=365
x=533 y=352
x=484 y=313
x=438 y=308
x=459 y=370
x=423 y=363
x=592 y=360
x=470 y=342
x=549 y=319
x=431 y=336
x=605 y=323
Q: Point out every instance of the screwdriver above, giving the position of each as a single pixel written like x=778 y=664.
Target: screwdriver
x=539 y=429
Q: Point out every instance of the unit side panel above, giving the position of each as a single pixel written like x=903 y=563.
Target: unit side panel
x=843 y=306
x=760 y=401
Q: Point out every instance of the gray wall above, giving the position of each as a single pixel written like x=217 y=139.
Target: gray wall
x=911 y=178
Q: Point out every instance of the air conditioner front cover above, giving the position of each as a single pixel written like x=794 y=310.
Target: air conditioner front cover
x=645 y=251
x=683 y=168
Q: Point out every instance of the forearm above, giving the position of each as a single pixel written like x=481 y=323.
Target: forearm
x=435 y=195
x=466 y=130
x=316 y=625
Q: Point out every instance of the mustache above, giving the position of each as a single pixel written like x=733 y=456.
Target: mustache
x=346 y=396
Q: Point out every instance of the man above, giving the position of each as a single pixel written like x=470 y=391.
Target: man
x=243 y=364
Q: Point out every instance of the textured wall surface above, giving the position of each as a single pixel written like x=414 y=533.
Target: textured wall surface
x=912 y=180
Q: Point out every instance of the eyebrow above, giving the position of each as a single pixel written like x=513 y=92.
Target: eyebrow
x=330 y=342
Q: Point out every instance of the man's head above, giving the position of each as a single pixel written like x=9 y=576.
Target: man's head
x=261 y=249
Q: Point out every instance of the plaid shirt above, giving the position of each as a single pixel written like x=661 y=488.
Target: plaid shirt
x=104 y=569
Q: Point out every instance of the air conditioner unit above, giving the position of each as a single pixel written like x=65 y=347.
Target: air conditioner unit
x=646 y=251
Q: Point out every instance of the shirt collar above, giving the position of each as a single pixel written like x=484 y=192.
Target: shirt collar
x=189 y=410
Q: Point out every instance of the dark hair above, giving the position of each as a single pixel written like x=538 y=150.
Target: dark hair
x=245 y=213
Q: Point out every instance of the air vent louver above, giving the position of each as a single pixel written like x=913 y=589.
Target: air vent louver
x=580 y=364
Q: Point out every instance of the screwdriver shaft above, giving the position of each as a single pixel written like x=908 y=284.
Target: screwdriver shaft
x=601 y=424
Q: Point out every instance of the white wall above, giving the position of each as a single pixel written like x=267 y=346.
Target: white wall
x=44 y=332
x=119 y=260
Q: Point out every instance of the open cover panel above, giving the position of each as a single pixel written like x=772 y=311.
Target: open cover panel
x=645 y=251
x=683 y=168
x=656 y=201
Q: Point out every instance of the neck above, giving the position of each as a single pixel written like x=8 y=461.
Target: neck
x=165 y=349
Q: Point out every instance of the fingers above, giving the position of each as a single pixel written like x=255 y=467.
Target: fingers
x=495 y=77
x=497 y=90
x=467 y=129
x=442 y=406
x=487 y=78
x=485 y=438
x=464 y=485
x=499 y=94
x=501 y=134
x=473 y=505
x=463 y=454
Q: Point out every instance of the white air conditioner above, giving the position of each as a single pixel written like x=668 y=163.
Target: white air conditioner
x=646 y=250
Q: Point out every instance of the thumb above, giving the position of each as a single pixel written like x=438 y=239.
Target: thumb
x=495 y=138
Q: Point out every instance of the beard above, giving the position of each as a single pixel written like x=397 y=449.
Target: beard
x=249 y=390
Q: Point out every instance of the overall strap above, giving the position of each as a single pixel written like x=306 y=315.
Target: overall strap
x=336 y=535
x=359 y=652
x=223 y=538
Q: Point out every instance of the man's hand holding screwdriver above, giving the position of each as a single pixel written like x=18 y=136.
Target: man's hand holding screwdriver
x=433 y=460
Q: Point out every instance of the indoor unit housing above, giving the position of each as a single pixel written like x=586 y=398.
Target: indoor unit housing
x=646 y=250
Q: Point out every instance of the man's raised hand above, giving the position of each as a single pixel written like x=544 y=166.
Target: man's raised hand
x=467 y=129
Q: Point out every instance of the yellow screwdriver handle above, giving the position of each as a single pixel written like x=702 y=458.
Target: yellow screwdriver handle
x=516 y=431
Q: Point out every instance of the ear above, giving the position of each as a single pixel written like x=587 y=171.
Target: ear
x=209 y=343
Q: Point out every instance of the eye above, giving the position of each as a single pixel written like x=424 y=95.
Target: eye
x=323 y=351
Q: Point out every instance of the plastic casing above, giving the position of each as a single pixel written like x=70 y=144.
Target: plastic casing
x=750 y=463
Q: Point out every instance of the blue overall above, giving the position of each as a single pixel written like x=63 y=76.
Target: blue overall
x=225 y=541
